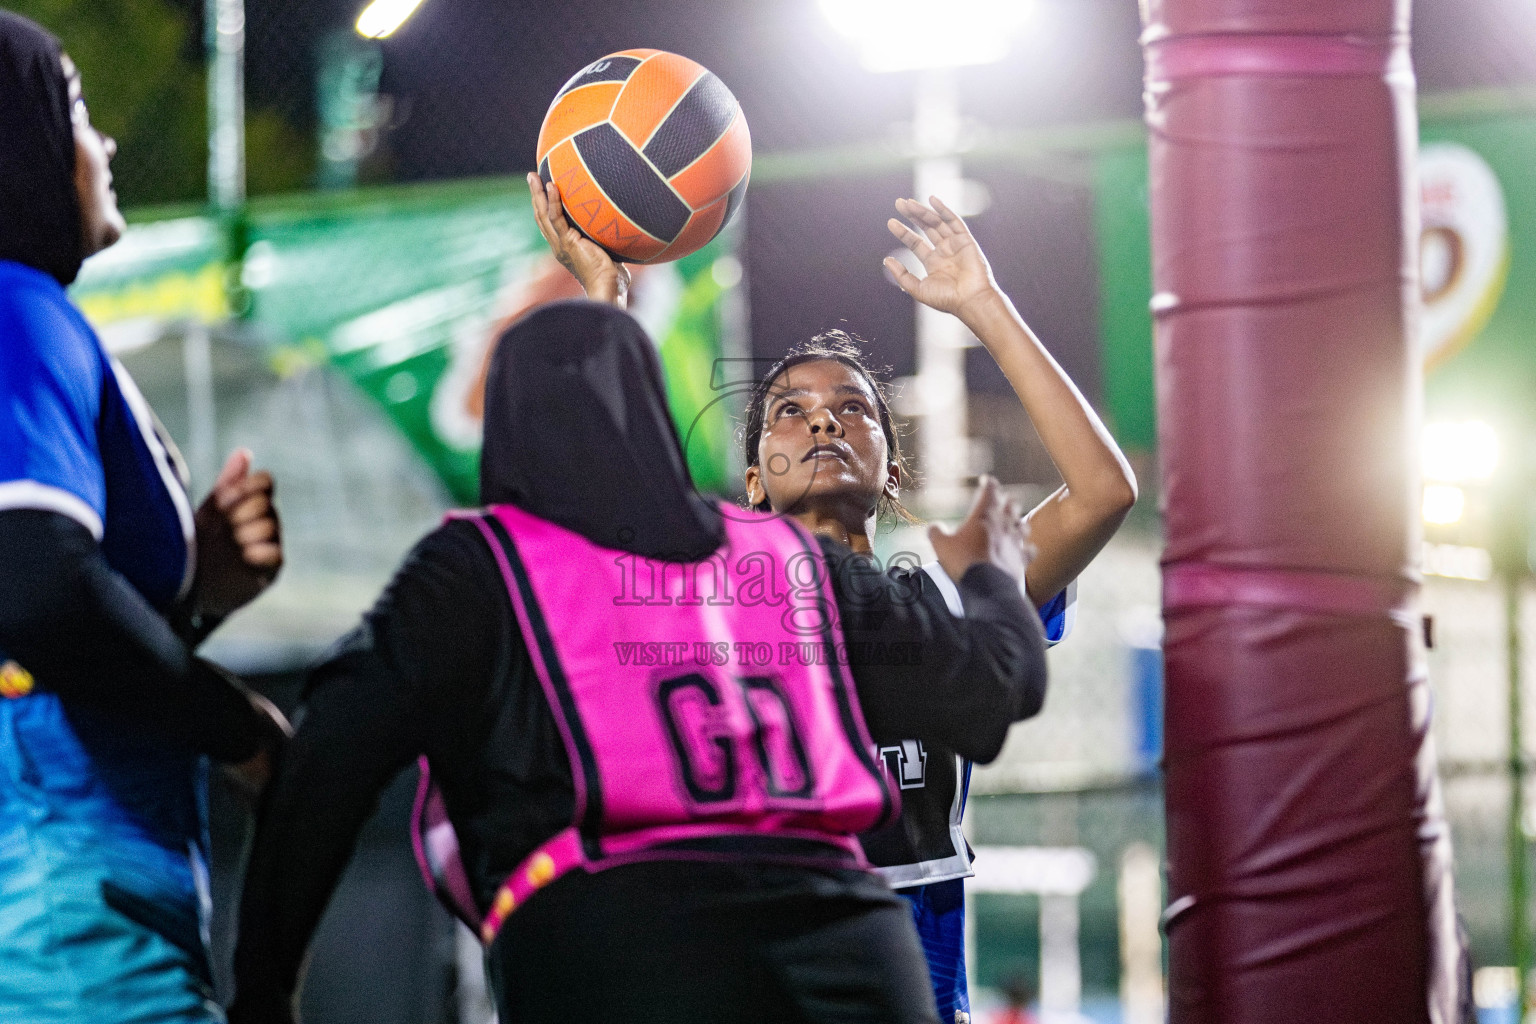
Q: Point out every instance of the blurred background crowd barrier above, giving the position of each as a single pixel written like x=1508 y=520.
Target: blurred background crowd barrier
x=337 y=321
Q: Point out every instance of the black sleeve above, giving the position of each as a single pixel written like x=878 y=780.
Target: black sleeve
x=923 y=673
x=368 y=710
x=85 y=633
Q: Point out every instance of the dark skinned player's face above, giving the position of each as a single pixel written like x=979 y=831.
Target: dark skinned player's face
x=822 y=445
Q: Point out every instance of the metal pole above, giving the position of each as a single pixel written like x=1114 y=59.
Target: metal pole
x=943 y=449
x=202 y=420
x=1061 y=973
x=1141 y=942
x=225 y=40
x=1519 y=885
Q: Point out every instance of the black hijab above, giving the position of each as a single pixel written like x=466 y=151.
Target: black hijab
x=39 y=213
x=577 y=432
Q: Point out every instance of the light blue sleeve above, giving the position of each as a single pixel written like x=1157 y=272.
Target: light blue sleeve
x=50 y=399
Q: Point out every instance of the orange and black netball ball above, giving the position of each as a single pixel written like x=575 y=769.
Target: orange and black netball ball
x=650 y=152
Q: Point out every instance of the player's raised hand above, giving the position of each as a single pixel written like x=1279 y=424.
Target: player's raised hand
x=957 y=272
x=239 y=538
x=994 y=533
x=603 y=277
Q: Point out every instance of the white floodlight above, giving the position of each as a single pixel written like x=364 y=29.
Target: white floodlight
x=1457 y=561
x=380 y=18
x=1460 y=452
x=911 y=35
x=1443 y=504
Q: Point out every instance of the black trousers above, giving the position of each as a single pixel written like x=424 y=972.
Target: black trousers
x=708 y=943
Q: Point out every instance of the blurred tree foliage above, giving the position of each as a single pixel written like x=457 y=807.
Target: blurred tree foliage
x=145 y=89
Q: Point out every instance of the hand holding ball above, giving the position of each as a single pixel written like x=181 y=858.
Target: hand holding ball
x=650 y=154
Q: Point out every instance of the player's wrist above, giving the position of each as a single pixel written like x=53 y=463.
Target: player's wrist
x=609 y=287
x=985 y=308
x=606 y=293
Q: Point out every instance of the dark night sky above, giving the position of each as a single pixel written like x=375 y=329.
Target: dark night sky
x=475 y=77
x=479 y=73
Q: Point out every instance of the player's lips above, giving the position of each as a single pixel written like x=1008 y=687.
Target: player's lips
x=825 y=451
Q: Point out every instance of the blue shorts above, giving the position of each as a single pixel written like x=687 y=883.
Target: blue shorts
x=99 y=920
x=938 y=910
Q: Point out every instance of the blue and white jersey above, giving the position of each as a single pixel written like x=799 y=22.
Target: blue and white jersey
x=76 y=438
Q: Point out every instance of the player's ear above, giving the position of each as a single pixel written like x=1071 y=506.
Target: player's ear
x=753 y=478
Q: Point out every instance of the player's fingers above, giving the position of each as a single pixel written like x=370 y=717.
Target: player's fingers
x=986 y=500
x=541 y=212
x=256 y=531
x=554 y=211
x=537 y=195
x=536 y=200
x=916 y=211
x=919 y=245
x=931 y=223
x=263 y=556
x=571 y=238
x=951 y=219
x=905 y=279
x=254 y=507
x=258 y=483
x=556 y=208
x=235 y=467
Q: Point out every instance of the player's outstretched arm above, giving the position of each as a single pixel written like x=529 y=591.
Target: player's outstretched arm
x=604 y=279
x=1071 y=525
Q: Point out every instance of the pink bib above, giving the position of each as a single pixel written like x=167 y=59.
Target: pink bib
x=696 y=701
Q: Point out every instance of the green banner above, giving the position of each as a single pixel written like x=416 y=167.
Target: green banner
x=1478 y=190
x=404 y=291
x=163 y=271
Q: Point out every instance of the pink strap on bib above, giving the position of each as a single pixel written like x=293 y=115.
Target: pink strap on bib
x=561 y=854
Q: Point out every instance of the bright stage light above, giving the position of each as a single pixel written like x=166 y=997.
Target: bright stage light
x=1460 y=452
x=382 y=17
x=910 y=35
x=1443 y=504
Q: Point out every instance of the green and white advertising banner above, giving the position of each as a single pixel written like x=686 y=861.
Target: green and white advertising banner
x=1477 y=332
x=405 y=291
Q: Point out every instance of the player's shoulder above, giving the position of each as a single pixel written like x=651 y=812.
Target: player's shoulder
x=447 y=581
x=38 y=322
x=455 y=545
x=25 y=292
